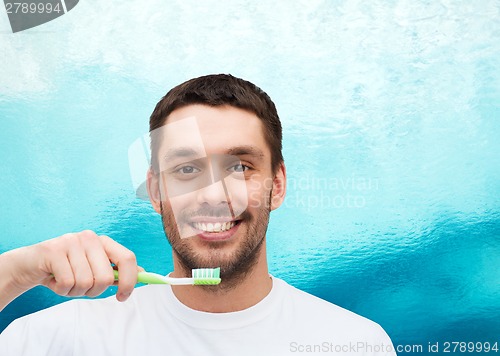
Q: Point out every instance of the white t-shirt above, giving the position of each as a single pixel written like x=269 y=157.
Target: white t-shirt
x=154 y=322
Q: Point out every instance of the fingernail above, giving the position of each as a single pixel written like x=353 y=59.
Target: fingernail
x=123 y=296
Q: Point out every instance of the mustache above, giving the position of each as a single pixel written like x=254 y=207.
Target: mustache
x=215 y=212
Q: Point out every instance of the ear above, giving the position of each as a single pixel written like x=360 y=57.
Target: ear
x=154 y=193
x=279 y=187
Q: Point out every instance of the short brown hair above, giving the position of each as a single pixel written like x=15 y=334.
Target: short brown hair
x=218 y=90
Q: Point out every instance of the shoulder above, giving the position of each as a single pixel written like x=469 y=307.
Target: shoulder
x=327 y=318
x=59 y=329
x=71 y=312
x=311 y=304
x=49 y=331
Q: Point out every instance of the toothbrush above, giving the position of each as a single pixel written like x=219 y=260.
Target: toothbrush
x=200 y=276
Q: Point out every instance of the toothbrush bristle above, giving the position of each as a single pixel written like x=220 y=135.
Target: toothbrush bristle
x=206 y=276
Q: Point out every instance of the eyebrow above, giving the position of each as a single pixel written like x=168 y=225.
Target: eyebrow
x=186 y=152
x=246 y=150
x=182 y=152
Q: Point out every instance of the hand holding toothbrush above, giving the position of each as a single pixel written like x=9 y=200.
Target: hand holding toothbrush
x=75 y=264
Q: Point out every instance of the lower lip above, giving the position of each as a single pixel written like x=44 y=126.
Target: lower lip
x=218 y=236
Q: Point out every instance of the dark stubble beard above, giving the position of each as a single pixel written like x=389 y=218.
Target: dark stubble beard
x=234 y=267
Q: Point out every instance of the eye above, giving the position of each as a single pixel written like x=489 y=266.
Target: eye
x=187 y=170
x=239 y=168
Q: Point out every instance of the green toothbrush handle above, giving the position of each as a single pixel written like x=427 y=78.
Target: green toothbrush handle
x=147 y=278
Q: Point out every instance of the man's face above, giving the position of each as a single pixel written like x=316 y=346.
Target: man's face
x=215 y=187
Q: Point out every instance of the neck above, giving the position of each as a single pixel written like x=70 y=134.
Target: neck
x=253 y=287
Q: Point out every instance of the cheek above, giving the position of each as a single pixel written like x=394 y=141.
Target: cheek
x=176 y=208
x=237 y=194
x=179 y=203
x=258 y=191
x=176 y=196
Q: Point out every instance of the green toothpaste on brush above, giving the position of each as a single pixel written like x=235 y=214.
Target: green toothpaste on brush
x=200 y=276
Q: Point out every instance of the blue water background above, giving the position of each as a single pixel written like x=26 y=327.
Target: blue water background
x=391 y=121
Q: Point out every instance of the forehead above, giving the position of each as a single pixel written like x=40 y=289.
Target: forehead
x=212 y=130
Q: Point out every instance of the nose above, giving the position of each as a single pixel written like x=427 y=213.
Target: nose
x=213 y=194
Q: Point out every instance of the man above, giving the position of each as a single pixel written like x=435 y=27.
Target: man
x=216 y=173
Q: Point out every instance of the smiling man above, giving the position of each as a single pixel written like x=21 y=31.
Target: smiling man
x=209 y=182
x=216 y=174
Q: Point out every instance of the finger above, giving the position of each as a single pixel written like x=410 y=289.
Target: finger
x=139 y=269
x=63 y=280
x=101 y=269
x=126 y=262
x=84 y=278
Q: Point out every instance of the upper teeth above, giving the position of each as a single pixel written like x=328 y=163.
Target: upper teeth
x=214 y=227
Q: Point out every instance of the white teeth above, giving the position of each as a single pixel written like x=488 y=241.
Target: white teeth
x=214 y=227
x=217 y=227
